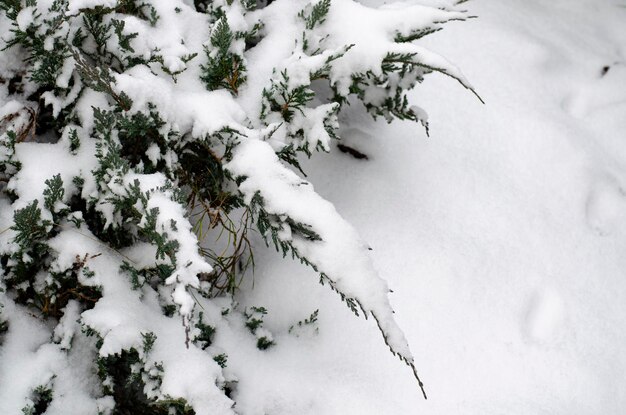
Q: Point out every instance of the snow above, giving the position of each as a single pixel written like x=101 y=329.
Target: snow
x=122 y=314
x=502 y=236
x=273 y=48
x=41 y=159
x=372 y=33
x=29 y=349
x=202 y=112
x=25 y=17
x=287 y=195
x=76 y=5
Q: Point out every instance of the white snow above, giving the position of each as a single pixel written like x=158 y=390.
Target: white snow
x=372 y=33
x=351 y=272
x=503 y=235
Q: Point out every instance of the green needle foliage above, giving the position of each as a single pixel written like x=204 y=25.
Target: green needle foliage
x=144 y=146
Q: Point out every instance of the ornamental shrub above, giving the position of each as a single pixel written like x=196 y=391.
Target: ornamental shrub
x=131 y=129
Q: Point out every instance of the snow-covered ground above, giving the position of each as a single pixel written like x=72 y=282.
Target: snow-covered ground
x=503 y=235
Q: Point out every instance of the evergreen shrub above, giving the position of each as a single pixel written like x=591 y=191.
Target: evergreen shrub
x=131 y=129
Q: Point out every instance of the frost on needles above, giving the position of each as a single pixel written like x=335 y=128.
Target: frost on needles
x=128 y=128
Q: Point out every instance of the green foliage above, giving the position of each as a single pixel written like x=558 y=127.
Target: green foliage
x=254 y=319
x=224 y=69
x=316 y=15
x=128 y=376
x=100 y=79
x=172 y=406
x=270 y=226
x=41 y=397
x=8 y=141
x=124 y=40
x=309 y=321
x=148 y=342
x=165 y=247
x=53 y=193
x=30 y=229
x=254 y=323
x=284 y=100
x=221 y=359
x=153 y=198
x=205 y=336
x=264 y=343
x=116 y=371
x=46 y=60
x=136 y=278
x=11 y=8
x=74 y=141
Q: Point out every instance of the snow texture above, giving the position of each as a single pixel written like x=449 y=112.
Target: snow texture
x=502 y=236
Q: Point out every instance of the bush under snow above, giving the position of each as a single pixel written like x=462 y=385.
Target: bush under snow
x=133 y=133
